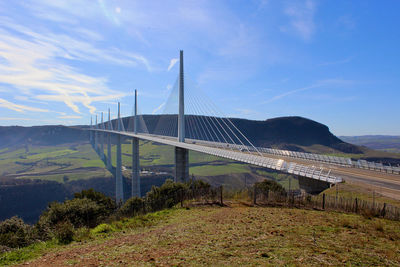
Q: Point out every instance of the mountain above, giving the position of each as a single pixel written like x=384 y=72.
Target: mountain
x=284 y=132
x=40 y=135
x=388 y=143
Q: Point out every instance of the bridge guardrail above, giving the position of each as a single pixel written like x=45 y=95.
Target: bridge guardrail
x=262 y=161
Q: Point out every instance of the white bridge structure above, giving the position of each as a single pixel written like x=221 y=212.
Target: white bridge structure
x=212 y=135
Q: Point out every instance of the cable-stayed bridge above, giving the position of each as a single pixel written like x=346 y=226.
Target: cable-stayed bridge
x=191 y=122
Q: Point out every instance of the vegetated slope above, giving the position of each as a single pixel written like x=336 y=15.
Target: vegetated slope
x=283 y=132
x=380 y=142
x=237 y=236
x=40 y=135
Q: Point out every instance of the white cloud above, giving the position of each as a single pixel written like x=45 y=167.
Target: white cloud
x=19 y=108
x=172 y=63
x=69 y=117
x=301 y=19
x=30 y=64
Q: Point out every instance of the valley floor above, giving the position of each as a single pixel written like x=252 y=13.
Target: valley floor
x=236 y=236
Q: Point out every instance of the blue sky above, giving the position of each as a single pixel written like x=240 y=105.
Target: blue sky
x=336 y=62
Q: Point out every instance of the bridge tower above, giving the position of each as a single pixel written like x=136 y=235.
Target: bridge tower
x=135 y=156
x=102 y=139
x=119 y=189
x=91 y=132
x=109 y=127
x=96 y=136
x=181 y=154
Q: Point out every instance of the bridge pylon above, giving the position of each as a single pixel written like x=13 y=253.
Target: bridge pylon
x=96 y=140
x=135 y=156
x=102 y=139
x=181 y=154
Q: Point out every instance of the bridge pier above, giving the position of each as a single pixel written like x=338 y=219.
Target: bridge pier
x=119 y=193
x=109 y=161
x=102 y=139
x=119 y=190
x=181 y=164
x=135 y=168
x=312 y=186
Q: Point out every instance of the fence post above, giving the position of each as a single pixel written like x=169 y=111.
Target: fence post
x=373 y=201
x=181 y=197
x=323 y=201
x=356 y=205
x=222 y=202
x=255 y=196
x=383 y=212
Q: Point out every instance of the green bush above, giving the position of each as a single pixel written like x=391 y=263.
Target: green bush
x=15 y=233
x=79 y=212
x=82 y=234
x=166 y=196
x=106 y=203
x=269 y=185
x=132 y=207
x=103 y=229
x=64 y=232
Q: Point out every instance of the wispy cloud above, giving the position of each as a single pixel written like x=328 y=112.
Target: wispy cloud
x=318 y=84
x=337 y=62
x=69 y=117
x=19 y=108
x=301 y=16
x=31 y=65
x=172 y=63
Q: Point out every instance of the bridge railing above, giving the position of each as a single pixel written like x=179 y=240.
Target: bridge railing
x=262 y=161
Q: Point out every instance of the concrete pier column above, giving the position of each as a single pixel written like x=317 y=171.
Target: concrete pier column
x=135 y=156
x=109 y=127
x=312 y=186
x=135 y=168
x=119 y=190
x=181 y=164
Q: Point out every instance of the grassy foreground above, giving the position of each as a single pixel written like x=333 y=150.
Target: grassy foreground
x=232 y=236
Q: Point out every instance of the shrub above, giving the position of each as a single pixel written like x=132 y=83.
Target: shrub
x=269 y=185
x=64 y=232
x=82 y=234
x=166 y=196
x=103 y=229
x=108 y=204
x=132 y=207
x=15 y=233
x=79 y=212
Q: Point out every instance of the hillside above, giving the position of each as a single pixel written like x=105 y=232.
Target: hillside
x=40 y=135
x=283 y=132
x=379 y=142
x=231 y=236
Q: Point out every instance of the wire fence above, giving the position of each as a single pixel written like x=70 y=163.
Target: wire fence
x=326 y=202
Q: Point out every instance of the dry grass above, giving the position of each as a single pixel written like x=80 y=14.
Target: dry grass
x=237 y=236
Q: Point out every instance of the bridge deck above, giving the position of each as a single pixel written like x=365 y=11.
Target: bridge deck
x=257 y=160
